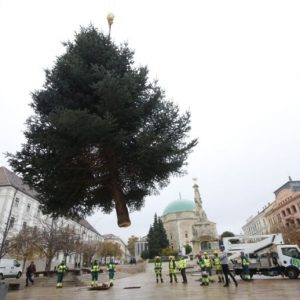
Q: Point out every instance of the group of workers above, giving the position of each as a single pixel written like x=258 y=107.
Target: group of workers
x=95 y=270
x=180 y=265
x=218 y=262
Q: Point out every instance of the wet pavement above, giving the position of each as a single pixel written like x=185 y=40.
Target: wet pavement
x=261 y=288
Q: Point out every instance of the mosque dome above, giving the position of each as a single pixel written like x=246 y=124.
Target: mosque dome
x=180 y=205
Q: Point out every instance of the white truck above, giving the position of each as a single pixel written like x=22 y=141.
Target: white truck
x=268 y=255
x=10 y=268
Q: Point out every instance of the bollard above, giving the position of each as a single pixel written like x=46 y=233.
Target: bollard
x=3 y=290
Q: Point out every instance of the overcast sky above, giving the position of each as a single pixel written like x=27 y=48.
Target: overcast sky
x=234 y=64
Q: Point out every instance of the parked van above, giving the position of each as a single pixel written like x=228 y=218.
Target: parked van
x=10 y=268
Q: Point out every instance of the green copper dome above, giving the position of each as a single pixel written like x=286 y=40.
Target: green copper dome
x=179 y=206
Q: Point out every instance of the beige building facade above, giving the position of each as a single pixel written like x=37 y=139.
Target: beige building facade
x=286 y=209
x=282 y=215
x=186 y=223
x=117 y=240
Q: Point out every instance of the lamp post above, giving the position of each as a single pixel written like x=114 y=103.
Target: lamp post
x=110 y=20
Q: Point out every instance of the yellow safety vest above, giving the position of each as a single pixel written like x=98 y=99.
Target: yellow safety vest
x=207 y=262
x=61 y=269
x=95 y=268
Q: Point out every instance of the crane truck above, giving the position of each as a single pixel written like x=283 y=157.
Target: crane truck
x=268 y=255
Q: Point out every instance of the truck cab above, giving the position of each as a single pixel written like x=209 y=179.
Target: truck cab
x=289 y=260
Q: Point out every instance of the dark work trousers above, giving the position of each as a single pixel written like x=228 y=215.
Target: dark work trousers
x=183 y=275
x=29 y=278
x=226 y=272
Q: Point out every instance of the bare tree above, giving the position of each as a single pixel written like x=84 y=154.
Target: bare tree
x=69 y=241
x=89 y=249
x=5 y=245
x=131 y=244
x=48 y=240
x=110 y=249
x=23 y=245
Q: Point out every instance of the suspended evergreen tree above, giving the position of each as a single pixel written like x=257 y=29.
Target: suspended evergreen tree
x=101 y=135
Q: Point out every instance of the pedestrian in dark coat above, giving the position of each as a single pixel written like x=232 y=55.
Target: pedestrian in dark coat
x=30 y=272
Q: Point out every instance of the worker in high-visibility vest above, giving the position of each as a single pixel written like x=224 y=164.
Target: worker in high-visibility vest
x=158 y=269
x=204 y=274
x=208 y=266
x=61 y=269
x=245 y=265
x=111 y=268
x=182 y=266
x=218 y=266
x=95 y=269
x=172 y=269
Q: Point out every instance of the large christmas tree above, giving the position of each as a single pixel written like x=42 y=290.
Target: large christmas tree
x=101 y=135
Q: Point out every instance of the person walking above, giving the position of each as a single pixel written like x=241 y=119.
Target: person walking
x=245 y=265
x=111 y=268
x=61 y=269
x=172 y=269
x=224 y=262
x=31 y=269
x=158 y=269
x=218 y=266
x=182 y=266
x=95 y=269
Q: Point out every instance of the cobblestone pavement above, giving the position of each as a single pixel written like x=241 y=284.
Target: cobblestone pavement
x=260 y=288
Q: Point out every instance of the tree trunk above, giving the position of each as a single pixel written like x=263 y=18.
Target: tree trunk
x=48 y=264
x=121 y=208
x=24 y=263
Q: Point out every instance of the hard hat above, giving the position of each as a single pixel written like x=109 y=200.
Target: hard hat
x=157 y=257
x=216 y=252
x=205 y=253
x=171 y=257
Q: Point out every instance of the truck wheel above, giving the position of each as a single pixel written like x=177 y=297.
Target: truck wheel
x=1 y=276
x=292 y=273
x=19 y=275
